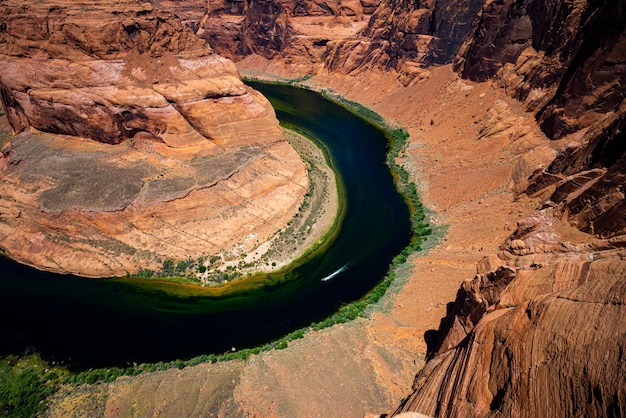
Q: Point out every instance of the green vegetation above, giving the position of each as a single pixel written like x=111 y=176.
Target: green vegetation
x=397 y=141
x=397 y=138
x=421 y=229
x=297 y=81
x=106 y=375
x=25 y=384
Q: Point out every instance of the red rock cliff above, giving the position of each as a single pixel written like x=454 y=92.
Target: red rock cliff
x=107 y=75
x=539 y=330
x=504 y=348
x=172 y=132
x=295 y=30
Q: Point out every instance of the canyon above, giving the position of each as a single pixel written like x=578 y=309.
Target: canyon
x=516 y=116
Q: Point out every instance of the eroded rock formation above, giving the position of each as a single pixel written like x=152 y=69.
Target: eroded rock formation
x=182 y=160
x=538 y=331
x=109 y=76
x=296 y=31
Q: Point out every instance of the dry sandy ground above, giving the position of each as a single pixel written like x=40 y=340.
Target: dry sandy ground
x=463 y=162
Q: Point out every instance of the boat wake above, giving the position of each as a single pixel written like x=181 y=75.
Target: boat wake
x=336 y=272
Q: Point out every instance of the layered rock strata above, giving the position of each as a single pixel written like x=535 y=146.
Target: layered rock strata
x=539 y=330
x=300 y=32
x=133 y=143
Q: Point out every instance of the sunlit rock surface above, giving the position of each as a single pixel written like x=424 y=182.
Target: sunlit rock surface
x=134 y=142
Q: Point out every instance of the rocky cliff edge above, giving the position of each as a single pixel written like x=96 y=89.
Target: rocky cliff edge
x=133 y=143
x=539 y=330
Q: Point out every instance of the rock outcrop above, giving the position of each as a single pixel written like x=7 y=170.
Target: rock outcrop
x=296 y=31
x=183 y=148
x=538 y=331
x=182 y=160
x=109 y=76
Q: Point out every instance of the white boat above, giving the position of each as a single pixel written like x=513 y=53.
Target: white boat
x=338 y=271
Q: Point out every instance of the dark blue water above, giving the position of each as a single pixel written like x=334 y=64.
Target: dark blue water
x=95 y=323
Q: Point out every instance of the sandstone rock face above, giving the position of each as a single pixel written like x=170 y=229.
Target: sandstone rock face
x=586 y=181
x=575 y=83
x=505 y=347
x=298 y=31
x=109 y=77
x=537 y=332
x=567 y=63
x=134 y=142
x=564 y=61
x=410 y=31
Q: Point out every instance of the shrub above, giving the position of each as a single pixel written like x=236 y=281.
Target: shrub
x=24 y=388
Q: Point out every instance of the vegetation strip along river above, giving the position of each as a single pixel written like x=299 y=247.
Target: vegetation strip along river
x=100 y=323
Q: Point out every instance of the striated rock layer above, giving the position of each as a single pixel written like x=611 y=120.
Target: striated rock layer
x=299 y=32
x=133 y=143
x=471 y=148
x=539 y=330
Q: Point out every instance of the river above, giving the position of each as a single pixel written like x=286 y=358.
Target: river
x=86 y=323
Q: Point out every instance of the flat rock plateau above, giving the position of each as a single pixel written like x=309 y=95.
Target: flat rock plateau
x=516 y=117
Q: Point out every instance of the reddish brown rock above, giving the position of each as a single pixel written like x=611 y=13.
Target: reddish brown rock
x=538 y=331
x=543 y=338
x=522 y=337
x=505 y=342
x=292 y=30
x=586 y=181
x=183 y=160
x=147 y=74
x=573 y=77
